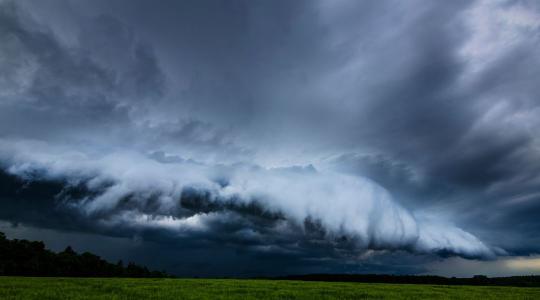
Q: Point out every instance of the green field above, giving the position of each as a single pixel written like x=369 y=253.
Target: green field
x=120 y=288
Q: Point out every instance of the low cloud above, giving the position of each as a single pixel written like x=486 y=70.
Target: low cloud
x=135 y=191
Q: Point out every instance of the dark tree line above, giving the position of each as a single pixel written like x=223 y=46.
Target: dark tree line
x=529 y=281
x=30 y=258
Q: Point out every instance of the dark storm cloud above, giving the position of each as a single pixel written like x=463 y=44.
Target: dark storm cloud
x=166 y=120
x=107 y=87
x=251 y=234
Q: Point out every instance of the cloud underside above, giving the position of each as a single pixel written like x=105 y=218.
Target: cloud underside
x=277 y=207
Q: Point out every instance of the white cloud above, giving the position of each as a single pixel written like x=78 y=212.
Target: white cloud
x=343 y=204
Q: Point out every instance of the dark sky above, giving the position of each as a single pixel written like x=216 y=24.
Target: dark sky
x=242 y=138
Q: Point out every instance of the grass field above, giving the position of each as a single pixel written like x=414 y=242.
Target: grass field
x=119 y=288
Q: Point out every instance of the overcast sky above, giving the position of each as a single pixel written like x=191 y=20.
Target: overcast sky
x=242 y=138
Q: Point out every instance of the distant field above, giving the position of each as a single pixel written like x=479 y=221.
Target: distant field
x=120 y=288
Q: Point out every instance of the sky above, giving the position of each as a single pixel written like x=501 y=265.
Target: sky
x=261 y=138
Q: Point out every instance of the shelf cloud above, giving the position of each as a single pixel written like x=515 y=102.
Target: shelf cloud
x=136 y=192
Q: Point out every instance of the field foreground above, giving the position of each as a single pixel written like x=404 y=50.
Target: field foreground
x=122 y=288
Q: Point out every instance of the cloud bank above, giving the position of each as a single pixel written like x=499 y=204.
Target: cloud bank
x=333 y=136
x=132 y=190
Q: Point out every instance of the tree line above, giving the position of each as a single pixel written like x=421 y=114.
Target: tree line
x=31 y=258
x=526 y=281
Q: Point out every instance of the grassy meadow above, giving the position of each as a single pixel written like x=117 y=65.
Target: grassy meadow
x=122 y=288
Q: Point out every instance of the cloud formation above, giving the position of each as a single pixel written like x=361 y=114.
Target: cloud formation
x=129 y=190
x=307 y=131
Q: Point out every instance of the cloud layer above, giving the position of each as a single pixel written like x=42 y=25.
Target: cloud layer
x=133 y=191
x=306 y=131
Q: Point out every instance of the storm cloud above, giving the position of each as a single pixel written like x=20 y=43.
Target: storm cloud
x=325 y=135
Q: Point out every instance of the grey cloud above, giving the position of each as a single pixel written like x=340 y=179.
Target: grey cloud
x=148 y=114
x=105 y=89
x=184 y=197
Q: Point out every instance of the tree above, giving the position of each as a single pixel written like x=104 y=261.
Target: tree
x=22 y=257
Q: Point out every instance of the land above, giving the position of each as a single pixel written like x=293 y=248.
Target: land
x=70 y=275
x=168 y=288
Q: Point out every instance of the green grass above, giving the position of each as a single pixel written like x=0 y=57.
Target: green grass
x=119 y=288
